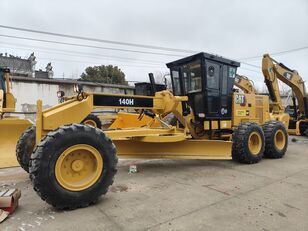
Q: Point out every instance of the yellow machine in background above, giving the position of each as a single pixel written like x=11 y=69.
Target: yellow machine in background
x=245 y=84
x=73 y=164
x=297 y=121
x=10 y=127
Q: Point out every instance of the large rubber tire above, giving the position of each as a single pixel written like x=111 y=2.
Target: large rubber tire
x=92 y=120
x=241 y=138
x=45 y=157
x=24 y=147
x=276 y=139
x=26 y=142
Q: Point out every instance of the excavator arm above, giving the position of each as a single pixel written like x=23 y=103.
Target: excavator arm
x=246 y=85
x=271 y=81
x=273 y=71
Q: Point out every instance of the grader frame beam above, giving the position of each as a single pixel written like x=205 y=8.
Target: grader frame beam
x=141 y=142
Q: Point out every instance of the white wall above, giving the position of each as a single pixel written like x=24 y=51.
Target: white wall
x=27 y=93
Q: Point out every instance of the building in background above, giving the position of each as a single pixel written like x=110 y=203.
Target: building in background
x=29 y=85
x=25 y=67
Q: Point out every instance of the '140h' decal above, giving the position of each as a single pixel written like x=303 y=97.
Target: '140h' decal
x=126 y=101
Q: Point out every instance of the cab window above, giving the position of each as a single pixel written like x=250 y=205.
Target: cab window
x=212 y=75
x=176 y=82
x=192 y=77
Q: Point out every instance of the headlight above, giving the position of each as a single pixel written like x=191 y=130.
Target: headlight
x=60 y=94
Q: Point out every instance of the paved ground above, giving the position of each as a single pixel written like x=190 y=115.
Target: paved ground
x=182 y=195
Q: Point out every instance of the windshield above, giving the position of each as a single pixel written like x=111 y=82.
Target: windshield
x=191 y=77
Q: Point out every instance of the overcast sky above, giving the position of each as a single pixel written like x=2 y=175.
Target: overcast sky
x=232 y=28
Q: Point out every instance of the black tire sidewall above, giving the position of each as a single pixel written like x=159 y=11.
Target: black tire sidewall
x=24 y=147
x=240 y=149
x=270 y=129
x=252 y=129
x=53 y=150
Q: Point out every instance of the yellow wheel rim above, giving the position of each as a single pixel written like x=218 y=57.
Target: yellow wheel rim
x=280 y=140
x=79 y=167
x=254 y=143
x=91 y=123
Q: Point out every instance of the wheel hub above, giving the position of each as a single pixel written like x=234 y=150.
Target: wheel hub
x=91 y=123
x=280 y=140
x=254 y=143
x=79 y=167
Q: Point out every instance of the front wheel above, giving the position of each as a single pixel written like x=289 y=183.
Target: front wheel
x=73 y=166
x=26 y=142
x=248 y=143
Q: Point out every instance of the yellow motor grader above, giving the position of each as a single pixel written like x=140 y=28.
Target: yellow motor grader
x=73 y=164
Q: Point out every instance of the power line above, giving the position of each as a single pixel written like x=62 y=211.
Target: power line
x=88 y=46
x=89 y=62
x=125 y=44
x=252 y=65
x=250 y=70
x=81 y=54
x=99 y=40
x=104 y=48
x=277 y=53
x=99 y=47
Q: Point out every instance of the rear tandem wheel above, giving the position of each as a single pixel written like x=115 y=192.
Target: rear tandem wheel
x=276 y=139
x=248 y=143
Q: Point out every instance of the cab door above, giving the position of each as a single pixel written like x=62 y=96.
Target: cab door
x=213 y=92
x=218 y=90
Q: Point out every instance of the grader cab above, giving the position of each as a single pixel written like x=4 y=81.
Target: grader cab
x=73 y=164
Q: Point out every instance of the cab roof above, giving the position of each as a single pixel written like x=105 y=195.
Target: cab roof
x=205 y=56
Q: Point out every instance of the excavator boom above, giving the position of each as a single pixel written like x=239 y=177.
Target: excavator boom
x=274 y=70
x=271 y=81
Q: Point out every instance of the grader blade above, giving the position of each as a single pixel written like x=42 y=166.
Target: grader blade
x=186 y=149
x=10 y=131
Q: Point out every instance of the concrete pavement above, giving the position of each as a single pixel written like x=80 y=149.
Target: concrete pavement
x=182 y=195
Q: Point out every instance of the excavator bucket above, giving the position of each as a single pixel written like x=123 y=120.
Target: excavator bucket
x=10 y=130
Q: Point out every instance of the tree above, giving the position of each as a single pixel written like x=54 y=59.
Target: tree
x=104 y=74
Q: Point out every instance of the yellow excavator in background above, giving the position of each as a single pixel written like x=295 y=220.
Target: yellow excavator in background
x=10 y=127
x=297 y=122
x=245 y=84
